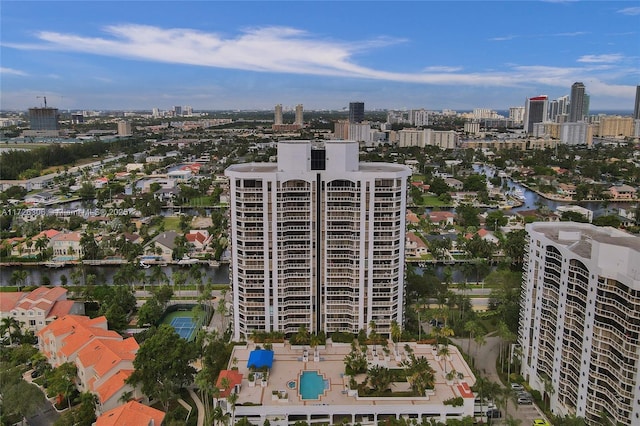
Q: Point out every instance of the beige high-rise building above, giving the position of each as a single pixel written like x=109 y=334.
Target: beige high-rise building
x=317 y=240
x=124 y=128
x=299 y=115
x=615 y=126
x=277 y=119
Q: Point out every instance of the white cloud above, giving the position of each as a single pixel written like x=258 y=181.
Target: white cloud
x=11 y=71
x=442 y=68
x=607 y=58
x=633 y=11
x=294 y=51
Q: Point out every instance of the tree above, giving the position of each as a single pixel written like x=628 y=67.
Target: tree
x=62 y=381
x=81 y=415
x=19 y=277
x=162 y=365
x=11 y=326
x=514 y=245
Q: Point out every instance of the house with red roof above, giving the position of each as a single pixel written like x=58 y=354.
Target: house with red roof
x=414 y=246
x=484 y=235
x=442 y=218
x=131 y=414
x=199 y=239
x=412 y=218
x=36 y=309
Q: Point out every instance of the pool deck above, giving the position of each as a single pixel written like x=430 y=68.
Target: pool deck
x=289 y=362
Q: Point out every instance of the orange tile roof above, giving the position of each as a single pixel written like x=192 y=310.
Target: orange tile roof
x=67 y=236
x=234 y=378
x=61 y=308
x=49 y=233
x=68 y=323
x=104 y=355
x=79 y=338
x=8 y=301
x=131 y=414
x=113 y=385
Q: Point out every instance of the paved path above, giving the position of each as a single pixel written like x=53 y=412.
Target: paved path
x=201 y=412
x=485 y=357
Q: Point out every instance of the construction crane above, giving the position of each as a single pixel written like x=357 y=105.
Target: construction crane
x=45 y=100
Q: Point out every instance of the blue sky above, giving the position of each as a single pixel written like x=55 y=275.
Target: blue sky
x=253 y=55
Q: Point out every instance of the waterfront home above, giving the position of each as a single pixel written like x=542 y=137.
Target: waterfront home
x=622 y=192
x=66 y=246
x=414 y=246
x=37 y=309
x=162 y=245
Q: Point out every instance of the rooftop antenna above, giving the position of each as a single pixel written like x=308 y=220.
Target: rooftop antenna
x=45 y=100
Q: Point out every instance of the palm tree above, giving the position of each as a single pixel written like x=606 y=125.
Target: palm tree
x=419 y=373
x=396 y=333
x=41 y=245
x=158 y=276
x=19 y=277
x=7 y=325
x=444 y=352
x=379 y=379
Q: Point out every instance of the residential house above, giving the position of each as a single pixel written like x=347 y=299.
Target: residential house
x=37 y=309
x=132 y=413
x=454 y=183
x=66 y=246
x=162 y=245
x=199 y=239
x=442 y=218
x=412 y=218
x=39 y=198
x=414 y=246
x=622 y=192
x=537 y=216
x=567 y=189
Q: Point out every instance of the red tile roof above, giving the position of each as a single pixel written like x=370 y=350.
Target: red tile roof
x=104 y=355
x=234 y=378
x=60 y=309
x=8 y=301
x=131 y=414
x=113 y=385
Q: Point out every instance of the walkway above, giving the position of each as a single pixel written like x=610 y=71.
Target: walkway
x=201 y=412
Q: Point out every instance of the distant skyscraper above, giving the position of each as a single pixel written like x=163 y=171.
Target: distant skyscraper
x=299 y=115
x=43 y=119
x=636 y=110
x=188 y=111
x=516 y=114
x=535 y=111
x=577 y=103
x=356 y=112
x=277 y=119
x=124 y=128
x=177 y=111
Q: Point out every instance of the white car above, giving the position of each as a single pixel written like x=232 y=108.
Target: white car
x=517 y=387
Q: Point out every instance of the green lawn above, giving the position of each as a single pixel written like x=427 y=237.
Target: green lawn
x=433 y=201
x=172 y=223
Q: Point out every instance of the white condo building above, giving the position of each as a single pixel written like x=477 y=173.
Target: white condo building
x=317 y=240
x=580 y=320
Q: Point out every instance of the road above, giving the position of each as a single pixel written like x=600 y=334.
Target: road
x=485 y=357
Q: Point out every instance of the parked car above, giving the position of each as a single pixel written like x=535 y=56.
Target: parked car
x=541 y=422
x=517 y=387
x=525 y=401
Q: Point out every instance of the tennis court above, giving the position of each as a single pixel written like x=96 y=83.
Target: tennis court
x=184 y=326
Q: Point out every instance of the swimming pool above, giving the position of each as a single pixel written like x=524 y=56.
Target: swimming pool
x=312 y=385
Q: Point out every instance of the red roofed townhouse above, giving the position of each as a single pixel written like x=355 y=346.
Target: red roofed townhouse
x=484 y=235
x=37 y=309
x=61 y=340
x=131 y=414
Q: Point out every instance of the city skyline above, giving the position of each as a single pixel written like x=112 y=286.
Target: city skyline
x=253 y=55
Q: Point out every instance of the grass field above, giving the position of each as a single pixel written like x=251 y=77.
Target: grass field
x=172 y=223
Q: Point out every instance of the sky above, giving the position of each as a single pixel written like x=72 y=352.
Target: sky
x=216 y=55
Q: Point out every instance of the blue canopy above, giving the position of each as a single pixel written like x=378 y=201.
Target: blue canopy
x=260 y=358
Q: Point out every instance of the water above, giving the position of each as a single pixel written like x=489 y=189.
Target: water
x=312 y=385
x=104 y=274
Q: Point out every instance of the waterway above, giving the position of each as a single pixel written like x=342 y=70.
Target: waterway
x=104 y=274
